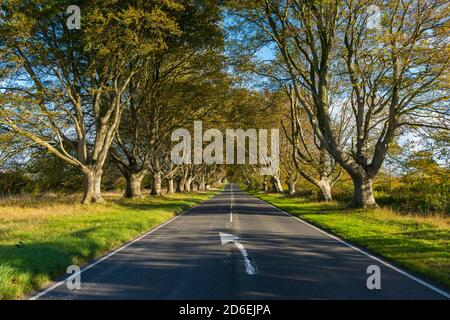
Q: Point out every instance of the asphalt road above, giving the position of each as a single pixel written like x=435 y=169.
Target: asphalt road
x=276 y=257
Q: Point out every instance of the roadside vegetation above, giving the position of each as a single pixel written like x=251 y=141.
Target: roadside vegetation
x=86 y=114
x=418 y=242
x=40 y=237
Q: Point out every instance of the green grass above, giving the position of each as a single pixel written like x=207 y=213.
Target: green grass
x=39 y=238
x=419 y=243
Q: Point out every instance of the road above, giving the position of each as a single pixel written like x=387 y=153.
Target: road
x=198 y=256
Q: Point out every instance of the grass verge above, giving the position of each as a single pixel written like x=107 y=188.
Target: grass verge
x=39 y=238
x=419 y=243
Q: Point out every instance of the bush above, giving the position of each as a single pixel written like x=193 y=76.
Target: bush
x=13 y=182
x=424 y=187
x=42 y=173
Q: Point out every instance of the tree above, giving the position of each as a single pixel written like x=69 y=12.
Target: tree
x=308 y=155
x=288 y=166
x=67 y=88
x=392 y=77
x=166 y=95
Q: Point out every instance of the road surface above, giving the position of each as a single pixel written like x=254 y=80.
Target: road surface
x=235 y=246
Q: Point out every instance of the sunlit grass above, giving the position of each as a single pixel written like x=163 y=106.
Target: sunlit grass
x=40 y=237
x=418 y=242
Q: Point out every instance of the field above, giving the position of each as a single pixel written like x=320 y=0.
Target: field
x=40 y=237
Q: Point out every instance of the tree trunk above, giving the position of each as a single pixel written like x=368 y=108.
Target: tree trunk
x=265 y=186
x=92 y=187
x=170 y=188
x=98 y=187
x=187 y=185
x=291 y=187
x=277 y=184
x=325 y=187
x=180 y=185
x=133 y=186
x=156 y=184
x=363 y=193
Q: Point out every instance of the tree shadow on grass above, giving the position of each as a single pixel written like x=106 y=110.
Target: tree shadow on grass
x=33 y=263
x=176 y=207
x=165 y=203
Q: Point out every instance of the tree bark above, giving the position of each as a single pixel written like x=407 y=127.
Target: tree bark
x=170 y=187
x=133 y=186
x=277 y=184
x=98 y=188
x=187 y=185
x=180 y=185
x=156 y=184
x=265 y=186
x=291 y=187
x=325 y=187
x=363 y=193
x=92 y=187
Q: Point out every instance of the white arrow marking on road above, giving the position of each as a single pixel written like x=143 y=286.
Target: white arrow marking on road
x=227 y=238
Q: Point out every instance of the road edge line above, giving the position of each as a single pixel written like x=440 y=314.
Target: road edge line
x=110 y=254
x=387 y=264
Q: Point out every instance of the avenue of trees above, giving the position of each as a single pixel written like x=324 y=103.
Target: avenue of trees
x=93 y=108
x=113 y=90
x=381 y=81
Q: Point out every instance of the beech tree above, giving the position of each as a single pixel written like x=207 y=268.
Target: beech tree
x=393 y=75
x=307 y=153
x=288 y=166
x=176 y=86
x=65 y=90
x=183 y=85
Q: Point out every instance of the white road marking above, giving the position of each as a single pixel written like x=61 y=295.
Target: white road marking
x=225 y=238
x=231 y=205
x=250 y=268
x=93 y=264
x=387 y=264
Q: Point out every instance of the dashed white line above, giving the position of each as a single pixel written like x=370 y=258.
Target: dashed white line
x=231 y=205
